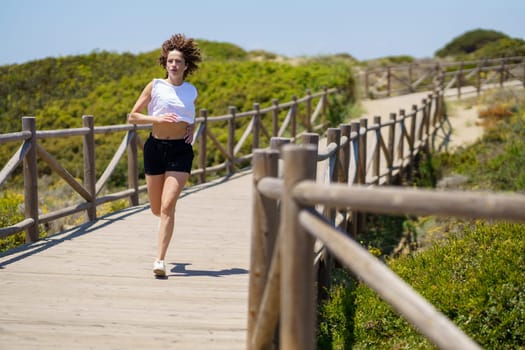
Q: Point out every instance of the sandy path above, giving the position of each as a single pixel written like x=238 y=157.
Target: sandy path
x=463 y=117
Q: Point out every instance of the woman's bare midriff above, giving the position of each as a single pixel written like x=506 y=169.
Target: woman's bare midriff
x=169 y=131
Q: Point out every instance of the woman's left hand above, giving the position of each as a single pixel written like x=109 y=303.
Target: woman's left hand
x=188 y=136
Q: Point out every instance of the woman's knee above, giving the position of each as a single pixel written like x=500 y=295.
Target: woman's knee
x=167 y=211
x=155 y=211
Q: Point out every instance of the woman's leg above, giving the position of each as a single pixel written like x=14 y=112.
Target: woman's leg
x=172 y=187
x=155 y=184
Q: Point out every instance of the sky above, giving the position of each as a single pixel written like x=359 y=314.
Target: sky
x=365 y=29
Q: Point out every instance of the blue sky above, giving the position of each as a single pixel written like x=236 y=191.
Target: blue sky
x=365 y=29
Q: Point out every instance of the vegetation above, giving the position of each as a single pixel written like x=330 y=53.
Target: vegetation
x=10 y=214
x=473 y=277
x=506 y=47
x=389 y=61
x=482 y=43
x=473 y=271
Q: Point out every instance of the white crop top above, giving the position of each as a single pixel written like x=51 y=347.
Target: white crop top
x=167 y=98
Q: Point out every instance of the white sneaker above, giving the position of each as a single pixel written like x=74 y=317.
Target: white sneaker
x=159 y=268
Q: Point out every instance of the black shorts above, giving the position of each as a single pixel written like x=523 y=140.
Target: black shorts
x=167 y=155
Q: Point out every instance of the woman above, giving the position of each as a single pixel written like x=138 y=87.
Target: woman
x=168 y=153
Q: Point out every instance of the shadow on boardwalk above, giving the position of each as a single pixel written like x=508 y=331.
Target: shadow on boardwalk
x=181 y=269
x=27 y=250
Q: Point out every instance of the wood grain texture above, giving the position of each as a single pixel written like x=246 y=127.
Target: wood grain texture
x=92 y=287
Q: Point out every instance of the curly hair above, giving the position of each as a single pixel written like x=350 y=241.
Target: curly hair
x=188 y=48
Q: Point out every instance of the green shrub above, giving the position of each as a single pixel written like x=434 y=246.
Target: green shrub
x=476 y=279
x=504 y=47
x=11 y=212
x=337 y=315
x=469 y=42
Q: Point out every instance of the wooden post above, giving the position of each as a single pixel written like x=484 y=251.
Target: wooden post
x=425 y=123
x=459 y=79
x=441 y=110
x=277 y=142
x=354 y=129
x=231 y=141
x=363 y=124
x=256 y=126
x=413 y=124
x=311 y=138
x=356 y=148
x=264 y=235
x=297 y=327
x=133 y=165
x=293 y=117
x=308 y=111
x=377 y=151
x=202 y=146
x=271 y=215
x=327 y=262
x=363 y=160
x=391 y=147
x=412 y=139
x=324 y=98
x=437 y=111
x=333 y=136
x=275 y=117
x=90 y=174
x=401 y=144
x=344 y=153
x=31 y=180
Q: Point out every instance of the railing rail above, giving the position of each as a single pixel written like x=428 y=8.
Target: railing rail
x=422 y=76
x=299 y=217
x=236 y=151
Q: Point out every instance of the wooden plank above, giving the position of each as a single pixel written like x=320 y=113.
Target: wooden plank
x=93 y=287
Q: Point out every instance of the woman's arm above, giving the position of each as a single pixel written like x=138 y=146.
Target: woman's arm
x=136 y=116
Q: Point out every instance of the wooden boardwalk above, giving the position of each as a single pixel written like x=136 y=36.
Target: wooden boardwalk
x=92 y=287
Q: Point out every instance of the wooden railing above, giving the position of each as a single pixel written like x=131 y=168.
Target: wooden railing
x=304 y=114
x=424 y=76
x=302 y=221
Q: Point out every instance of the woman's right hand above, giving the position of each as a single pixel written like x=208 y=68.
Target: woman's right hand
x=168 y=118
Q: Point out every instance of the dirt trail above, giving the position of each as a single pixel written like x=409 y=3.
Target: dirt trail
x=463 y=117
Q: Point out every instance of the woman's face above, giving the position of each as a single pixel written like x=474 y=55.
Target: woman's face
x=175 y=63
